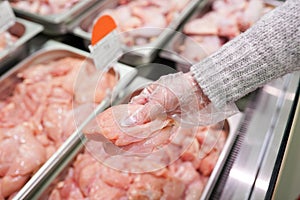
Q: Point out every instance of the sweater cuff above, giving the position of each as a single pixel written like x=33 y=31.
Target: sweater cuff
x=210 y=81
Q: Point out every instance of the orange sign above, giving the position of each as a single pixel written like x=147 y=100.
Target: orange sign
x=104 y=25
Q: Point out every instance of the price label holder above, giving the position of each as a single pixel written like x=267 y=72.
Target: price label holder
x=7 y=16
x=105 y=43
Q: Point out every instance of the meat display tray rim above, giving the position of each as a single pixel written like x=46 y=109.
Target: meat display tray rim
x=127 y=73
x=56 y=23
x=31 y=30
x=132 y=57
x=55 y=18
x=234 y=124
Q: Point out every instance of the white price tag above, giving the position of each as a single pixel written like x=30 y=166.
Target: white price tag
x=7 y=16
x=105 y=43
x=108 y=49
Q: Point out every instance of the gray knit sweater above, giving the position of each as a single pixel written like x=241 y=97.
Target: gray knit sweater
x=268 y=50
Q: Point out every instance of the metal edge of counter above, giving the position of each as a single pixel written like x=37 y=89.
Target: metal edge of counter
x=251 y=171
x=56 y=24
x=280 y=148
x=282 y=164
x=20 y=48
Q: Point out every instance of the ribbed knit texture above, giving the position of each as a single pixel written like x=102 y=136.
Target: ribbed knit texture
x=268 y=50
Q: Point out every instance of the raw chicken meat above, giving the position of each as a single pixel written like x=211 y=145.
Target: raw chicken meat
x=195 y=48
x=18 y=164
x=40 y=114
x=190 y=154
x=105 y=82
x=136 y=21
x=185 y=178
x=226 y=20
x=109 y=125
x=208 y=24
x=44 y=7
x=6 y=39
x=253 y=11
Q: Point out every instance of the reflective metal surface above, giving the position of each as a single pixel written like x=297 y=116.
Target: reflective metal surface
x=25 y=31
x=56 y=23
x=287 y=184
x=250 y=174
x=276 y=131
x=234 y=123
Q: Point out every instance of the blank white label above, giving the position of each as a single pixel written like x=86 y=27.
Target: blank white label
x=7 y=16
x=106 y=50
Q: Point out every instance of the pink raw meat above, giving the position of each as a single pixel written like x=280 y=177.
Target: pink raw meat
x=181 y=179
x=184 y=178
x=96 y=85
x=44 y=7
x=206 y=25
x=93 y=180
x=4 y=43
x=196 y=48
x=136 y=22
x=251 y=14
x=40 y=113
x=17 y=164
x=226 y=20
x=148 y=135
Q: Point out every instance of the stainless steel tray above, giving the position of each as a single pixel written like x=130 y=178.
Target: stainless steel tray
x=144 y=78
x=56 y=24
x=54 y=50
x=234 y=123
x=25 y=31
x=137 y=54
x=171 y=51
x=152 y=72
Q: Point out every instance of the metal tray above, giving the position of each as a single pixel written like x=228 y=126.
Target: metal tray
x=137 y=54
x=234 y=123
x=231 y=125
x=171 y=51
x=54 y=50
x=56 y=24
x=152 y=72
x=25 y=31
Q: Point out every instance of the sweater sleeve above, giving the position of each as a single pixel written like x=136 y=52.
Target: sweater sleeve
x=268 y=50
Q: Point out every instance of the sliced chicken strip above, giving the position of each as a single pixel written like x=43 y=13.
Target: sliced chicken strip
x=110 y=124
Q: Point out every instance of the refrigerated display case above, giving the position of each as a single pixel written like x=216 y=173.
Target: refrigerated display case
x=260 y=158
x=253 y=167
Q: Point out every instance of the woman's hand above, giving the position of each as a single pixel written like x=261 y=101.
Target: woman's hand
x=175 y=95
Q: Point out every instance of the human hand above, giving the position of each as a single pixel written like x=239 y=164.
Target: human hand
x=176 y=95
